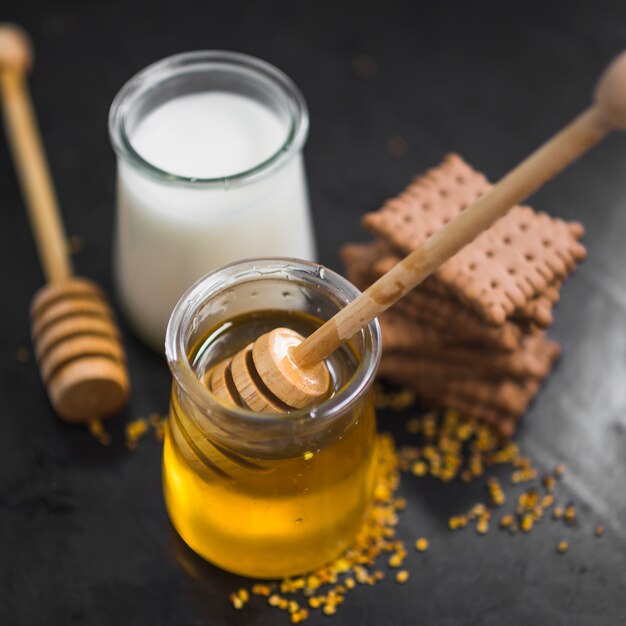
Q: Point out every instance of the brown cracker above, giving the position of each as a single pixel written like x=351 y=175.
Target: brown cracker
x=441 y=380
x=503 y=421
x=534 y=358
x=537 y=310
x=368 y=262
x=459 y=323
x=506 y=265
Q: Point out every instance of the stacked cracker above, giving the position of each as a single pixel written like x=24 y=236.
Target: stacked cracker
x=472 y=335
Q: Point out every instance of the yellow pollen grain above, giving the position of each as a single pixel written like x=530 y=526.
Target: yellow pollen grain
x=261 y=590
x=421 y=545
x=243 y=595
x=400 y=504
x=549 y=482
x=477 y=510
x=482 y=527
x=402 y=576
x=419 y=468
x=134 y=431
x=527 y=523
x=96 y=428
x=236 y=601
x=274 y=600
x=507 y=521
x=457 y=521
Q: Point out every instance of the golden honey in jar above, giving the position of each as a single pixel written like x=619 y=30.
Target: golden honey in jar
x=267 y=495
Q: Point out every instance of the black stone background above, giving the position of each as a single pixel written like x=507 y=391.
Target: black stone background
x=84 y=537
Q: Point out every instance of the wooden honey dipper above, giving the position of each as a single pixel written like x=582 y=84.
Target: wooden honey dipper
x=282 y=370
x=77 y=344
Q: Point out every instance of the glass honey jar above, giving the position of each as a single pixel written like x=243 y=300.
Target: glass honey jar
x=266 y=495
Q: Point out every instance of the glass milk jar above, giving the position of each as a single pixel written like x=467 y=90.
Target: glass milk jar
x=258 y=494
x=209 y=171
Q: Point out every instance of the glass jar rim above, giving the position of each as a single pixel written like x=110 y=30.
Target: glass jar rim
x=150 y=77
x=223 y=277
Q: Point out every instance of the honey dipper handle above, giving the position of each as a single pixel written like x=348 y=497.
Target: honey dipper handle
x=28 y=154
x=608 y=113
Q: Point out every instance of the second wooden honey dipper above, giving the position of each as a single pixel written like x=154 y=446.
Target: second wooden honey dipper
x=77 y=343
x=283 y=371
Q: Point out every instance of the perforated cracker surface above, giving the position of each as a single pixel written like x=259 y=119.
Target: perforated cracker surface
x=506 y=266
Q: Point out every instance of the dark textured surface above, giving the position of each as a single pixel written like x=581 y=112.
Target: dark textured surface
x=84 y=538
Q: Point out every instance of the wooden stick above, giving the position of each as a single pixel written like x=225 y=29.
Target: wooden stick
x=608 y=113
x=31 y=165
x=81 y=359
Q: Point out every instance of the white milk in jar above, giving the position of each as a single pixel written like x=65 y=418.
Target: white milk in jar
x=210 y=171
